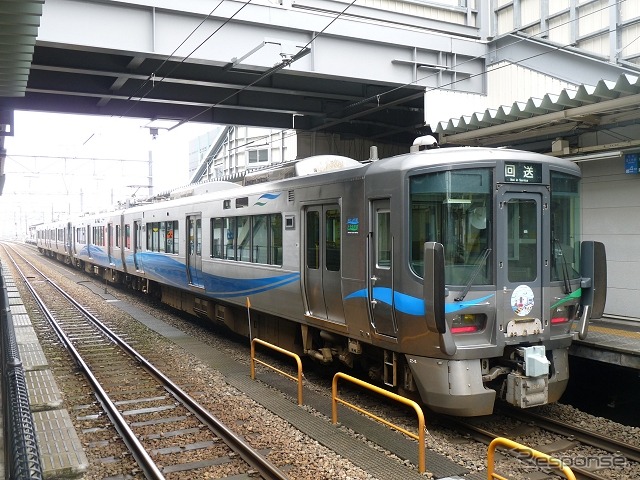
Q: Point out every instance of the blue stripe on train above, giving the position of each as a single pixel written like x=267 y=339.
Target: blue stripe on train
x=412 y=305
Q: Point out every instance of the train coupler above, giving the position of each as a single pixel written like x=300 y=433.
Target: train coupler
x=531 y=388
x=525 y=392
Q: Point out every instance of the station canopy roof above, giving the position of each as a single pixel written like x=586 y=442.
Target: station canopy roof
x=534 y=124
x=19 y=22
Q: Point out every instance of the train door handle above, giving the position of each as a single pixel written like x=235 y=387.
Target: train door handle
x=374 y=302
x=374 y=279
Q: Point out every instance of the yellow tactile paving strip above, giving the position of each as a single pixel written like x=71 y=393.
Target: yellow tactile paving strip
x=611 y=331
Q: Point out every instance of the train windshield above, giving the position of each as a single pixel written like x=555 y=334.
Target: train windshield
x=454 y=208
x=565 y=227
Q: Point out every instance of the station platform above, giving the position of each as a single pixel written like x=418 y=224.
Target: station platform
x=611 y=341
x=61 y=453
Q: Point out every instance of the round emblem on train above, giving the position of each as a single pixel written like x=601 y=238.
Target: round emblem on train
x=522 y=300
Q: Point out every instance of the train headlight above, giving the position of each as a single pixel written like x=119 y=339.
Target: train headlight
x=468 y=323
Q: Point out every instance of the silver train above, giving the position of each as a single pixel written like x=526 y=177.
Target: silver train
x=455 y=276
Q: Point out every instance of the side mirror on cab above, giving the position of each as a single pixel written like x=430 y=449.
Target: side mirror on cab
x=434 y=287
x=593 y=270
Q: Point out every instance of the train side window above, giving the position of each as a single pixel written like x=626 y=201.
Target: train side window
x=97 y=236
x=243 y=246
x=175 y=237
x=332 y=246
x=118 y=232
x=127 y=236
x=230 y=235
x=199 y=236
x=313 y=239
x=383 y=239
x=162 y=237
x=138 y=235
x=259 y=239
x=275 y=239
x=153 y=235
x=217 y=238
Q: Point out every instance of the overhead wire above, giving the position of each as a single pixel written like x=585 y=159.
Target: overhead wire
x=269 y=72
x=377 y=97
x=286 y=62
x=152 y=77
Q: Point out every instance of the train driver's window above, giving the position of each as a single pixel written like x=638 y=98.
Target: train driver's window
x=453 y=208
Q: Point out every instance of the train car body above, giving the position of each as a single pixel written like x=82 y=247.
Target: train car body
x=455 y=275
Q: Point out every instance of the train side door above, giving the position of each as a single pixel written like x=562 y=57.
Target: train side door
x=381 y=263
x=322 y=262
x=137 y=245
x=520 y=262
x=194 y=250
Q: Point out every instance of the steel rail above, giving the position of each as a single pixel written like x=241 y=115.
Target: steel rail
x=486 y=436
x=266 y=469
x=142 y=457
x=583 y=435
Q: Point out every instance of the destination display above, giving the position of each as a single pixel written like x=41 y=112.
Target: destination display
x=518 y=172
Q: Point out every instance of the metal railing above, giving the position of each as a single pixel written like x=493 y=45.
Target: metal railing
x=254 y=360
x=510 y=444
x=399 y=398
x=23 y=456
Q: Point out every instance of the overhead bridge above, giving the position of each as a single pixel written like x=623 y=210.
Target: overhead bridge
x=315 y=65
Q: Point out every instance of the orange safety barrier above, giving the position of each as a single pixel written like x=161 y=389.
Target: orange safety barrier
x=283 y=351
x=505 y=442
x=334 y=411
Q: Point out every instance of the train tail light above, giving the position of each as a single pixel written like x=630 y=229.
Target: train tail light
x=562 y=314
x=468 y=323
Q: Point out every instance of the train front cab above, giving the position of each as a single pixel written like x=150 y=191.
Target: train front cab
x=508 y=337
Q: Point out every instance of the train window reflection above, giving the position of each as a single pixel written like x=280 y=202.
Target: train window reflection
x=453 y=208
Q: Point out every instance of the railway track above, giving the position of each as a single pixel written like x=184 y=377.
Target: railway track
x=588 y=454
x=165 y=429
x=583 y=435
x=473 y=452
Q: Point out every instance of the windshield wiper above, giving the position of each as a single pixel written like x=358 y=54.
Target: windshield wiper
x=565 y=269
x=481 y=262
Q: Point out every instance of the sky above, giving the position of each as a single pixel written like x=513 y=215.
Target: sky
x=58 y=164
